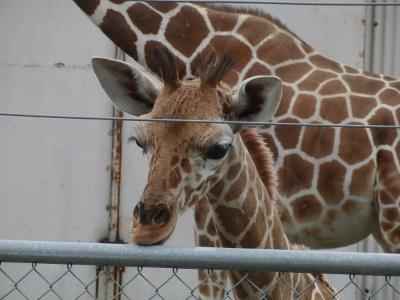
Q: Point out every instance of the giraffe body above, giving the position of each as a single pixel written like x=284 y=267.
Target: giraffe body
x=337 y=185
x=191 y=162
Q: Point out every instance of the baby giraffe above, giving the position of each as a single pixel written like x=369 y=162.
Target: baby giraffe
x=190 y=161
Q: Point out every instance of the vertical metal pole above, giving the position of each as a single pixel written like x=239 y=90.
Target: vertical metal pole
x=369 y=42
x=107 y=284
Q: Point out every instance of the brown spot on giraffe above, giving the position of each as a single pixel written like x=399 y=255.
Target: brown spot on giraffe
x=330 y=181
x=185 y=164
x=306 y=208
x=174 y=160
x=363 y=85
x=186 y=30
x=304 y=106
x=325 y=63
x=211 y=228
x=361 y=106
x=240 y=292
x=395 y=85
x=164 y=7
x=200 y=215
x=385 y=198
x=279 y=49
x=295 y=175
x=249 y=204
x=238 y=51
x=383 y=136
x=315 y=79
x=257 y=69
x=120 y=34
x=391 y=214
x=222 y=21
x=293 y=72
x=255 y=30
x=255 y=233
x=388 y=175
x=390 y=97
x=318 y=141
x=287 y=97
x=386 y=226
x=362 y=180
x=233 y=171
x=237 y=187
x=174 y=178
x=334 y=109
x=394 y=235
x=354 y=145
x=288 y=136
x=351 y=207
x=204 y=240
x=217 y=189
x=233 y=219
x=144 y=18
x=332 y=87
x=88 y=6
x=204 y=289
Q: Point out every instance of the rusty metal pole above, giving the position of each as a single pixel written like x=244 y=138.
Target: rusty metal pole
x=110 y=280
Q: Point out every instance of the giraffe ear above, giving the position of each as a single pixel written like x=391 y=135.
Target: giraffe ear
x=128 y=87
x=257 y=99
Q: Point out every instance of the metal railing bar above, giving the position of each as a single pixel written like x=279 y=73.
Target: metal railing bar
x=330 y=262
x=185 y=121
x=288 y=3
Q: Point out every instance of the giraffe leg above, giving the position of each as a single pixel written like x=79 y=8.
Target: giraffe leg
x=388 y=201
x=213 y=283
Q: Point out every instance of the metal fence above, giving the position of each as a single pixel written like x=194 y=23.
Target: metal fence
x=59 y=270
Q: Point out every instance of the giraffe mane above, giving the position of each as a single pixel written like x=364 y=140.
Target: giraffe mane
x=263 y=159
x=253 y=12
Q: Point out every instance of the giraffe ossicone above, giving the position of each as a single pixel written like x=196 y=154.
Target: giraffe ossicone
x=192 y=162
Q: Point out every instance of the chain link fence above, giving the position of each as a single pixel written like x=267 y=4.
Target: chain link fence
x=48 y=270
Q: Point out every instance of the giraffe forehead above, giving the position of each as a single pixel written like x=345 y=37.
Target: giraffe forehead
x=191 y=101
x=182 y=137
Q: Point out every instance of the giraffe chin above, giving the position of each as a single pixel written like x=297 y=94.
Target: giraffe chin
x=149 y=238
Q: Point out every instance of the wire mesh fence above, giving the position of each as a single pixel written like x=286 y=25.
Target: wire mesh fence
x=48 y=270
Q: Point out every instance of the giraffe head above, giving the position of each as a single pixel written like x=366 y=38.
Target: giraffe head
x=185 y=159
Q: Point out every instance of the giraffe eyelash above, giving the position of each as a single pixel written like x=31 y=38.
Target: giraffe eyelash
x=138 y=143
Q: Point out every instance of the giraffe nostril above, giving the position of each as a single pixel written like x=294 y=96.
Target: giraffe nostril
x=160 y=214
x=136 y=211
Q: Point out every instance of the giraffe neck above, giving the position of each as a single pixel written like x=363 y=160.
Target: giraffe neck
x=261 y=44
x=245 y=216
x=242 y=208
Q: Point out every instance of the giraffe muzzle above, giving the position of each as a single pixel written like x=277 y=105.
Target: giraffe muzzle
x=158 y=214
x=154 y=225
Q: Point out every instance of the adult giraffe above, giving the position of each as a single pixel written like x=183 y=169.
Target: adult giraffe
x=336 y=185
x=191 y=161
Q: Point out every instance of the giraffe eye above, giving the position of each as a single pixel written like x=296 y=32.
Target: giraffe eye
x=138 y=143
x=218 y=151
